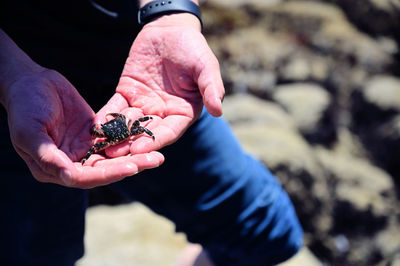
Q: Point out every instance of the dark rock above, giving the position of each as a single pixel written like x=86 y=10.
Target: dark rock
x=376 y=112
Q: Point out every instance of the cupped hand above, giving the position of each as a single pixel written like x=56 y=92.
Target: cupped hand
x=49 y=126
x=170 y=74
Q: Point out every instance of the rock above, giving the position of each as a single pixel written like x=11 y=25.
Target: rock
x=297 y=68
x=392 y=261
x=388 y=242
x=383 y=91
x=255 y=71
x=389 y=135
x=309 y=105
x=326 y=28
x=244 y=109
x=376 y=112
x=261 y=45
x=127 y=235
x=348 y=144
x=376 y=17
x=358 y=182
x=270 y=134
x=364 y=197
x=339 y=196
x=304 y=257
x=384 y=144
x=335 y=147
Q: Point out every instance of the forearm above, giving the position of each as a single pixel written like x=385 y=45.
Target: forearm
x=14 y=64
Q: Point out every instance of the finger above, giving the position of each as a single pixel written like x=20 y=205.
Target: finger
x=52 y=160
x=210 y=84
x=45 y=154
x=118 y=150
x=142 y=161
x=107 y=171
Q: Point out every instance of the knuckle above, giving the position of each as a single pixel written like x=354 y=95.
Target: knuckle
x=50 y=74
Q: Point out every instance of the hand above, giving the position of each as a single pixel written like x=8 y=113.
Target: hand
x=49 y=126
x=169 y=74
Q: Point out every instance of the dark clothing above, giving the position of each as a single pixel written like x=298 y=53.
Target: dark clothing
x=88 y=46
x=209 y=187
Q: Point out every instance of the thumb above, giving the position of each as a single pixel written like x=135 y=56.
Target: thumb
x=211 y=86
x=55 y=163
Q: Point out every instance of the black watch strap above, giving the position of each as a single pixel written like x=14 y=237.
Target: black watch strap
x=158 y=8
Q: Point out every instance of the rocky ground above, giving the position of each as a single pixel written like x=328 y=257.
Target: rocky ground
x=314 y=92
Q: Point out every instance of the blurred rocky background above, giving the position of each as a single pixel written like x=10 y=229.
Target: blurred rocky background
x=313 y=90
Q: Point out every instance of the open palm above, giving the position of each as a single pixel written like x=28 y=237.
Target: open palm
x=169 y=74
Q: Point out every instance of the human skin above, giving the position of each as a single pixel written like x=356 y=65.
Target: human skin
x=170 y=74
x=49 y=125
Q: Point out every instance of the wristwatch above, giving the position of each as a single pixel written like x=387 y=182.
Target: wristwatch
x=158 y=8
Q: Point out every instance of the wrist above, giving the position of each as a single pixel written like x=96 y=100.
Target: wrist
x=170 y=13
x=186 y=20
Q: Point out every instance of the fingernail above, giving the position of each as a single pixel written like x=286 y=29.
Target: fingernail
x=65 y=176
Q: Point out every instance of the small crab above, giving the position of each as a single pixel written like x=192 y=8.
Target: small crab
x=116 y=131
